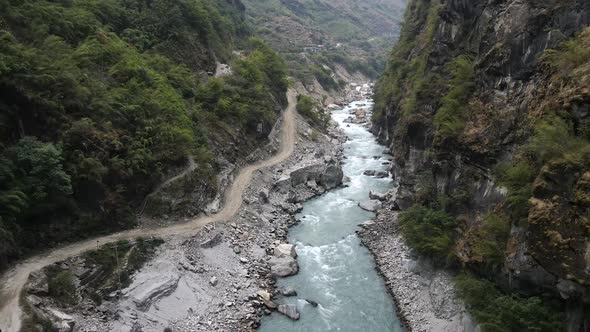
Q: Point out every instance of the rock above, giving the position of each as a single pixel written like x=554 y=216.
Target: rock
x=289 y=310
x=151 y=289
x=213 y=281
x=288 y=291
x=283 y=266
x=332 y=177
x=369 y=172
x=38 y=283
x=285 y=249
x=61 y=321
x=381 y=174
x=377 y=196
x=370 y=205
x=306 y=173
x=264 y=294
x=313 y=303
x=367 y=224
x=243 y=260
x=568 y=288
x=283 y=184
x=264 y=195
x=270 y=304
x=213 y=241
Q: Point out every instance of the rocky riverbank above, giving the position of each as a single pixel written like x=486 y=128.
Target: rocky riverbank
x=217 y=280
x=424 y=295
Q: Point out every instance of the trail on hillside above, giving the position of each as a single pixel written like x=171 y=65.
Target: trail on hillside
x=13 y=280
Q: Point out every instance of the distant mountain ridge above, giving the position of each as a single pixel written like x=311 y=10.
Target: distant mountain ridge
x=352 y=33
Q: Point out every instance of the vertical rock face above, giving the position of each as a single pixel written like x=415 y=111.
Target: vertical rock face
x=465 y=90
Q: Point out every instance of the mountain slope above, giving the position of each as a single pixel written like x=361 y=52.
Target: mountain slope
x=485 y=107
x=102 y=100
x=316 y=36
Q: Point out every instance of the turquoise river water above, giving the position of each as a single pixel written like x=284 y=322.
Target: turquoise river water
x=336 y=271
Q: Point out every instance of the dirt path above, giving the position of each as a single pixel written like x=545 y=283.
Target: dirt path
x=13 y=280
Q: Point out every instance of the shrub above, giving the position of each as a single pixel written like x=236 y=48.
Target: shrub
x=309 y=109
x=491 y=239
x=554 y=138
x=495 y=311
x=517 y=178
x=429 y=231
x=62 y=288
x=571 y=54
x=450 y=118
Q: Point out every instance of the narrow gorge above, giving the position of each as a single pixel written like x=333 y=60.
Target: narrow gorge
x=294 y=165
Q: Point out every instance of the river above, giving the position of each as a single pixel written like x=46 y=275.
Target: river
x=336 y=271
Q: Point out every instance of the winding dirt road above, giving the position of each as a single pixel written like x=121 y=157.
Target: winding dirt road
x=13 y=280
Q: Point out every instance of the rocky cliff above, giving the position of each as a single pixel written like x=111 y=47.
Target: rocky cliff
x=485 y=105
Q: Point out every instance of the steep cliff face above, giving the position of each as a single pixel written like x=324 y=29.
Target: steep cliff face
x=486 y=108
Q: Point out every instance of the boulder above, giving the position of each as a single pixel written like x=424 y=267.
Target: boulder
x=313 y=303
x=264 y=195
x=61 y=321
x=213 y=281
x=369 y=172
x=289 y=310
x=283 y=266
x=269 y=304
x=212 y=241
x=283 y=184
x=568 y=288
x=264 y=294
x=332 y=176
x=377 y=196
x=38 y=283
x=285 y=249
x=289 y=291
x=370 y=205
x=381 y=174
x=306 y=173
x=367 y=224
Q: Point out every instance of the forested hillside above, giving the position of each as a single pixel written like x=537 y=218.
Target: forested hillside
x=101 y=99
x=317 y=36
x=486 y=107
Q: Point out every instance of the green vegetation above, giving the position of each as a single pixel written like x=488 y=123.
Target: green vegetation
x=99 y=99
x=429 y=231
x=63 y=289
x=131 y=256
x=517 y=178
x=450 y=118
x=555 y=139
x=324 y=77
x=495 y=311
x=553 y=142
x=356 y=35
x=406 y=83
x=310 y=109
x=490 y=240
x=573 y=55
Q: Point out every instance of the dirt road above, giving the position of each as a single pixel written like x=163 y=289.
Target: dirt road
x=12 y=281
